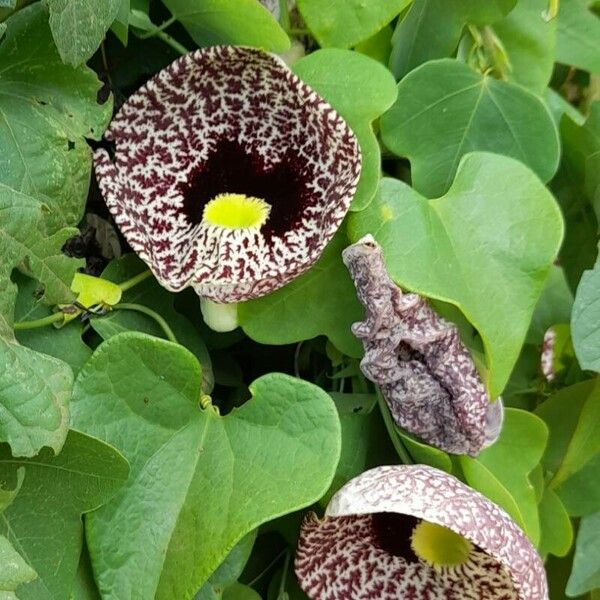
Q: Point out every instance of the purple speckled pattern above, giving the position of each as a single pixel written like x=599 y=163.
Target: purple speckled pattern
x=221 y=120
x=417 y=359
x=338 y=557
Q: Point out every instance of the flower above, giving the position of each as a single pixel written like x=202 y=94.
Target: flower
x=229 y=174
x=417 y=359
x=414 y=532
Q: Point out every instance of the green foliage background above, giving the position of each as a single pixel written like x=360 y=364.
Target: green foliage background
x=479 y=126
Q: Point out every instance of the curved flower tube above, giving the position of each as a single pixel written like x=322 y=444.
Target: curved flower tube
x=417 y=359
x=416 y=533
x=229 y=174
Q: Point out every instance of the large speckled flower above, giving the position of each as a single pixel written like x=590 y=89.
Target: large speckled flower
x=417 y=359
x=229 y=173
x=416 y=533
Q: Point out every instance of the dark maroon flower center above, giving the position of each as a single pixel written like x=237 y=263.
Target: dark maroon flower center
x=392 y=533
x=235 y=169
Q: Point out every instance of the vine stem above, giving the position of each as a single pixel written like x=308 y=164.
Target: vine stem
x=170 y=41
x=152 y=314
x=44 y=322
x=129 y=283
x=157 y=29
x=391 y=428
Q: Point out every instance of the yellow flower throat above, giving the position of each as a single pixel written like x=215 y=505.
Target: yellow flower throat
x=439 y=546
x=236 y=211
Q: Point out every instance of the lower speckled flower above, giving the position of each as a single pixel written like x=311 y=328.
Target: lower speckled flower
x=415 y=533
x=417 y=359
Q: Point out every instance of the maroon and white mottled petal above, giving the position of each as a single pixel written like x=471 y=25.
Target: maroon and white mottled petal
x=330 y=550
x=339 y=558
x=424 y=371
x=228 y=119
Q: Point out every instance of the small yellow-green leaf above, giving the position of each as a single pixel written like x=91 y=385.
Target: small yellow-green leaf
x=94 y=290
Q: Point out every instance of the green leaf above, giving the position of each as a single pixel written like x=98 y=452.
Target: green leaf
x=578 y=36
x=581 y=143
x=44 y=521
x=444 y=110
x=432 y=28
x=486 y=238
x=553 y=308
x=228 y=571
x=556 y=529
x=364 y=445
x=34 y=388
x=280 y=317
x=366 y=91
x=560 y=106
x=14 y=571
x=585 y=575
x=529 y=40
x=580 y=493
x=244 y=22
x=239 y=591
x=345 y=23
x=120 y=26
x=378 y=46
x=64 y=343
x=573 y=417
x=46 y=110
x=85 y=587
x=424 y=454
x=151 y=294
x=585 y=320
x=199 y=481
x=501 y=472
x=79 y=27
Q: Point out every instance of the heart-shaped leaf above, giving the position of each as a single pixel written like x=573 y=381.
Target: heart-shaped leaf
x=226 y=575
x=47 y=109
x=150 y=294
x=529 y=39
x=34 y=388
x=573 y=417
x=44 y=520
x=79 y=27
x=476 y=243
x=444 y=109
x=280 y=317
x=344 y=23
x=556 y=529
x=14 y=570
x=199 y=481
x=244 y=22
x=432 y=28
x=585 y=575
x=578 y=35
x=501 y=471
x=365 y=92
x=65 y=343
x=585 y=320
